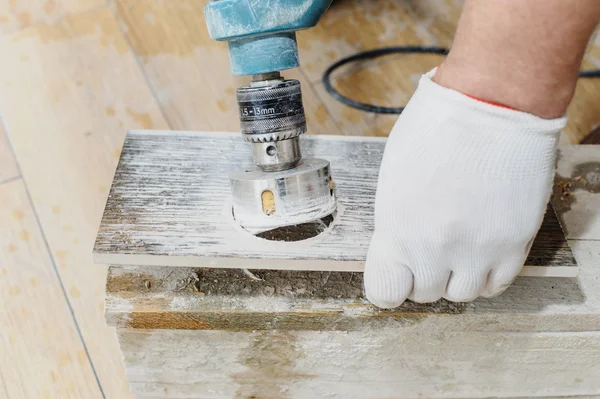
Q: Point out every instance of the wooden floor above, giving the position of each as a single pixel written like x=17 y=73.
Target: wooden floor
x=75 y=75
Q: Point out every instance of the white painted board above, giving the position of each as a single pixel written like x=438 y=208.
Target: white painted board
x=170 y=205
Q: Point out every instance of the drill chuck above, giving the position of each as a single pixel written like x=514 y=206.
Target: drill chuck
x=271 y=119
x=271 y=110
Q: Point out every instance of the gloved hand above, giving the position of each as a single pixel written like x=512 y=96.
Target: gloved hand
x=462 y=191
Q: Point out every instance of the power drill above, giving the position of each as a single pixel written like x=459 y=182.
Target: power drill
x=282 y=188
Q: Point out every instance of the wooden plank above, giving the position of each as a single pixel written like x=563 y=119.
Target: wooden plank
x=8 y=165
x=68 y=92
x=144 y=297
x=190 y=72
x=15 y=15
x=42 y=353
x=169 y=205
x=379 y=364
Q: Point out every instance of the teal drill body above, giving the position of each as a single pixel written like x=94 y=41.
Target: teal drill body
x=261 y=34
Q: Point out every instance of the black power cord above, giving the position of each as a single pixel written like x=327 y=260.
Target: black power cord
x=370 y=54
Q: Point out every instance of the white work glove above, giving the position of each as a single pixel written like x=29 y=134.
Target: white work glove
x=462 y=191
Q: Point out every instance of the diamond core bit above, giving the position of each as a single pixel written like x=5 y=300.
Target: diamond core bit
x=263 y=201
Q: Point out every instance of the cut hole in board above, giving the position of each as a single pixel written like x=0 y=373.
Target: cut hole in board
x=298 y=232
x=292 y=233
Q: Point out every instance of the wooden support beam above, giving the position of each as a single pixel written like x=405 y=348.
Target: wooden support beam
x=368 y=364
x=222 y=299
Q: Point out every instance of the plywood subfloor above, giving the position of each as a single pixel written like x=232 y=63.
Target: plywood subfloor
x=77 y=74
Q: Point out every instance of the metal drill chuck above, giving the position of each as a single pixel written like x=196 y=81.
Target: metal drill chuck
x=272 y=119
x=271 y=110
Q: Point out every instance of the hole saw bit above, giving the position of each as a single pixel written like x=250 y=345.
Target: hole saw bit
x=282 y=188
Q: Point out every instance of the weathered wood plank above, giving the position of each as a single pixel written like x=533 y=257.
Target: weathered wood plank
x=68 y=92
x=41 y=353
x=169 y=205
x=380 y=364
x=223 y=299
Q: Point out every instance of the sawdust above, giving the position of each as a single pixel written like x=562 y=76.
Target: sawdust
x=288 y=284
x=585 y=177
x=265 y=291
x=298 y=232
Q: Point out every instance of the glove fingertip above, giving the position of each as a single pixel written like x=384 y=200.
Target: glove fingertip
x=387 y=283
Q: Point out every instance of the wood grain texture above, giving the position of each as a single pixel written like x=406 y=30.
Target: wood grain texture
x=68 y=92
x=169 y=205
x=353 y=25
x=8 y=164
x=42 y=355
x=381 y=364
x=19 y=14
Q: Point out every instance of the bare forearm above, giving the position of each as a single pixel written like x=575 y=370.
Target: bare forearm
x=522 y=54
